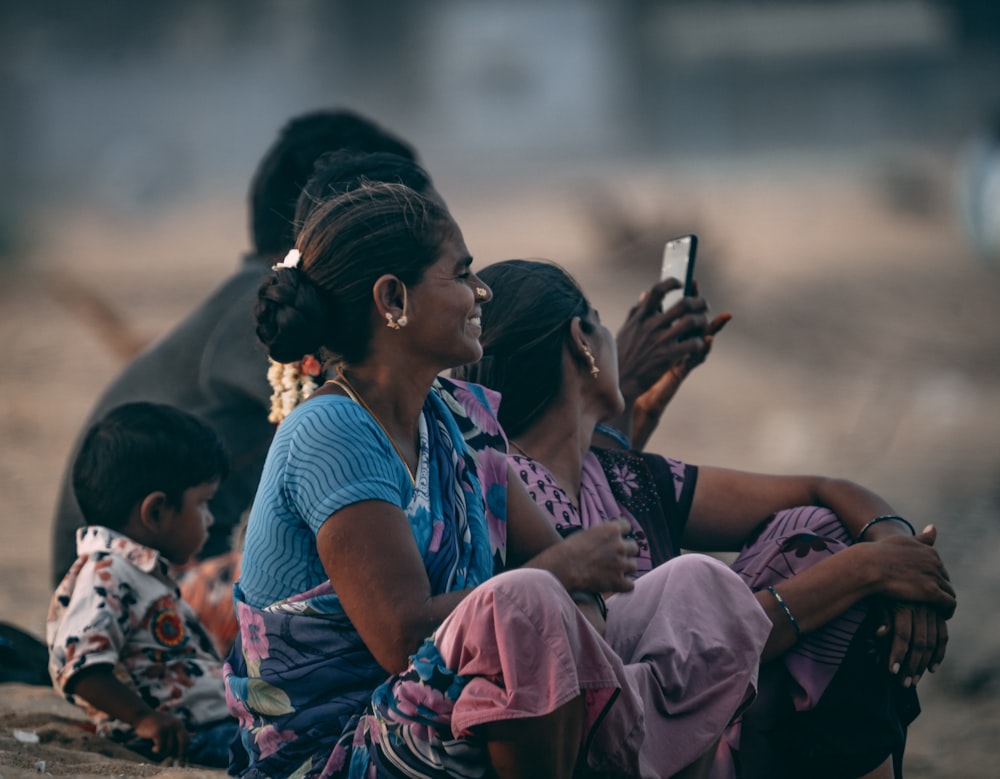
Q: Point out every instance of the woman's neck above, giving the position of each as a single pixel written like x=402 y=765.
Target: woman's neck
x=395 y=398
x=560 y=440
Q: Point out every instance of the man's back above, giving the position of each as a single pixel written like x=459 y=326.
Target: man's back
x=211 y=365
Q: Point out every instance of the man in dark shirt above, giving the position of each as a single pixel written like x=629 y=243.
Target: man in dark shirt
x=211 y=364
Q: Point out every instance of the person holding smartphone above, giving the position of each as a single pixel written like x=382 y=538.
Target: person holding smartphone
x=858 y=600
x=664 y=337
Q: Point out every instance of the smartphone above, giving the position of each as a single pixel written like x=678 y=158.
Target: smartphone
x=678 y=263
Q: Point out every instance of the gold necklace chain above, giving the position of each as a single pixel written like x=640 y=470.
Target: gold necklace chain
x=342 y=382
x=514 y=444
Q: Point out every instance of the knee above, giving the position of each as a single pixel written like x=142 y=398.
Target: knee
x=705 y=571
x=525 y=583
x=702 y=582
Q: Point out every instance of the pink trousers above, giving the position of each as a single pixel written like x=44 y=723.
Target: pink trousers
x=678 y=660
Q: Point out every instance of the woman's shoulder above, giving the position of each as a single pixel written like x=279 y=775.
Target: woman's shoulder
x=327 y=413
x=326 y=427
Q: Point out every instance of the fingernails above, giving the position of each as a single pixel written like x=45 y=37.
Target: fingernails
x=908 y=681
x=916 y=679
x=928 y=529
x=895 y=668
x=934 y=667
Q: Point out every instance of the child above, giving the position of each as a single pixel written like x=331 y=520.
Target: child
x=122 y=642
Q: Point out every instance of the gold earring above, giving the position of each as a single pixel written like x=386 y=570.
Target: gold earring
x=402 y=321
x=594 y=370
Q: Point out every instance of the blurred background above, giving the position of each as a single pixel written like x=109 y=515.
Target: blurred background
x=840 y=161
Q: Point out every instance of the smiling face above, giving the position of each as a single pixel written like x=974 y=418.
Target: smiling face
x=184 y=529
x=445 y=307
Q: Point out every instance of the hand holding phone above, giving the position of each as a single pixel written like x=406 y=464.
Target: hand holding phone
x=678 y=263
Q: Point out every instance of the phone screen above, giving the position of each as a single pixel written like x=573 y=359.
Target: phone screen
x=678 y=263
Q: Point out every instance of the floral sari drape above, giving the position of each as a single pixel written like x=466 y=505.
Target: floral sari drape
x=299 y=678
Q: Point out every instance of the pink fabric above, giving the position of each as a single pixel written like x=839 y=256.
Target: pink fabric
x=682 y=649
x=597 y=502
x=529 y=650
x=690 y=635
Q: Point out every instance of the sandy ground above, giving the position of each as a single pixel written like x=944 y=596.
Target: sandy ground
x=865 y=344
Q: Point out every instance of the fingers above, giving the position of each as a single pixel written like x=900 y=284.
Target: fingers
x=183 y=741
x=719 y=322
x=650 y=300
x=607 y=553
x=687 y=305
x=928 y=535
x=920 y=639
x=884 y=620
x=940 y=645
x=172 y=742
x=901 y=634
x=918 y=656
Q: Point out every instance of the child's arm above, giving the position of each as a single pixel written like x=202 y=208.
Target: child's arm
x=98 y=686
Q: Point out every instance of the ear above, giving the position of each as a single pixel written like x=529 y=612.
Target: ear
x=389 y=294
x=152 y=510
x=578 y=343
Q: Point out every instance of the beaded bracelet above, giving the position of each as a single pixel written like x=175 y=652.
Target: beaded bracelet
x=886 y=518
x=788 y=611
x=614 y=434
x=602 y=605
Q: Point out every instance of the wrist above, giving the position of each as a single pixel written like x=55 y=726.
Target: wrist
x=866 y=567
x=589 y=596
x=885 y=525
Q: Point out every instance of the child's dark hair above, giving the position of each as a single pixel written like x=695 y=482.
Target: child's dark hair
x=525 y=328
x=140 y=448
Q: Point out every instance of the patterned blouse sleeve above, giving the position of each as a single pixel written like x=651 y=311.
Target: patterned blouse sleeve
x=339 y=457
x=94 y=623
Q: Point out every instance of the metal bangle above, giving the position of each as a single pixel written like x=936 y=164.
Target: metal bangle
x=886 y=518
x=596 y=597
x=788 y=611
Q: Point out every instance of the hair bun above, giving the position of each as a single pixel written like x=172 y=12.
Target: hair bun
x=291 y=318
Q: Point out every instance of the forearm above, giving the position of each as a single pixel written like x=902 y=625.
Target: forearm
x=561 y=563
x=98 y=686
x=815 y=597
x=856 y=506
x=649 y=407
x=729 y=505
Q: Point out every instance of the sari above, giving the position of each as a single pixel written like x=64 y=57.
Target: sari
x=827 y=707
x=299 y=678
x=311 y=700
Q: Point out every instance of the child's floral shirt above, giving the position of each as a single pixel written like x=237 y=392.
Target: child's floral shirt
x=119 y=606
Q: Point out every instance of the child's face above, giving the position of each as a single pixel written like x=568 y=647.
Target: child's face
x=185 y=529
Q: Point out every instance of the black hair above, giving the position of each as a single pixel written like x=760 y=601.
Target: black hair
x=337 y=172
x=287 y=165
x=140 y=448
x=348 y=242
x=525 y=328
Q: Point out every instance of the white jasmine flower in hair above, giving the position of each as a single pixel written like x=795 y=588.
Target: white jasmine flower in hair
x=291 y=260
x=291 y=385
